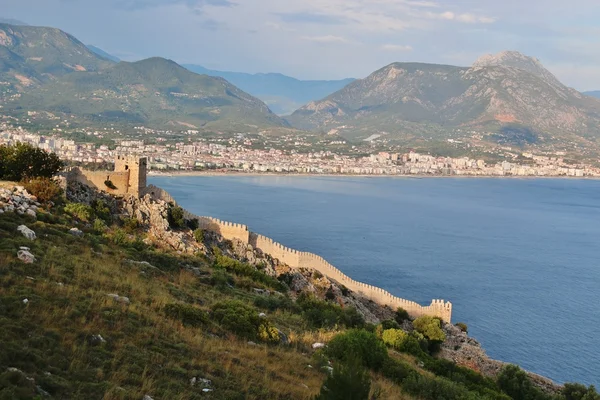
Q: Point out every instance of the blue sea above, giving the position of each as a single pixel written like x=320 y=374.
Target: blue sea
x=518 y=258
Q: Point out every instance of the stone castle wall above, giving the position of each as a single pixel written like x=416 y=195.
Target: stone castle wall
x=299 y=259
x=96 y=180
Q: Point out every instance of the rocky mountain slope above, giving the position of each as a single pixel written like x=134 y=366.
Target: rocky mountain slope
x=505 y=93
x=46 y=70
x=594 y=93
x=282 y=93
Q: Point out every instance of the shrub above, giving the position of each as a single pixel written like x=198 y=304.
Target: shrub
x=394 y=338
x=237 y=317
x=175 y=217
x=369 y=350
x=462 y=326
x=45 y=189
x=221 y=279
x=322 y=314
x=100 y=225
x=131 y=224
x=79 y=211
x=401 y=315
x=102 y=210
x=273 y=303
x=396 y=370
x=199 y=235
x=243 y=269
x=415 y=344
x=267 y=332
x=349 y=381
x=390 y=324
x=430 y=327
x=23 y=161
x=513 y=381
x=188 y=315
x=577 y=391
x=193 y=224
x=433 y=388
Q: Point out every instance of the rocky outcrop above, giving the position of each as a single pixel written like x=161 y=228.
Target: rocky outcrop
x=154 y=217
x=17 y=199
x=25 y=231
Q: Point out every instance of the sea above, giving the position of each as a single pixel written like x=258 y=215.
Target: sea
x=518 y=258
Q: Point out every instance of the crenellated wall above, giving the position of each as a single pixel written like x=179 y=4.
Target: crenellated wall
x=96 y=180
x=298 y=259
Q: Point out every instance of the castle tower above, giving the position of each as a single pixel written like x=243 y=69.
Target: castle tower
x=136 y=167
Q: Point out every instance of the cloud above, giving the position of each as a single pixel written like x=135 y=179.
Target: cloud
x=467 y=18
x=325 y=39
x=396 y=47
x=311 y=18
x=132 y=5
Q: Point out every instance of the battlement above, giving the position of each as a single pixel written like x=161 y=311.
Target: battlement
x=128 y=177
x=298 y=259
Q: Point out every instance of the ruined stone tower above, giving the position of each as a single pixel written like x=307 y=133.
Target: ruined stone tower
x=136 y=167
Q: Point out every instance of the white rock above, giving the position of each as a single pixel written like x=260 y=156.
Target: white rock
x=262 y=315
x=146 y=397
x=25 y=301
x=318 y=345
x=24 y=248
x=76 y=232
x=120 y=299
x=26 y=256
x=31 y=213
x=251 y=343
x=206 y=390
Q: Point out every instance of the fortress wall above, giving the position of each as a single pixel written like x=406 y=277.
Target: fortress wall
x=297 y=259
x=96 y=180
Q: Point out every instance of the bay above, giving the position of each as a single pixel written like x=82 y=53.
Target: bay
x=518 y=258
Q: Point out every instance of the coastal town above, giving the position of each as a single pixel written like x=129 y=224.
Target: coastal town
x=240 y=156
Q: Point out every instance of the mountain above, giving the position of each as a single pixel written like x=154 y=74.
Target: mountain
x=102 y=53
x=510 y=95
x=12 y=21
x=282 y=93
x=595 y=93
x=156 y=92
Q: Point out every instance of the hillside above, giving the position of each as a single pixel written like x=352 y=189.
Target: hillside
x=509 y=94
x=156 y=91
x=103 y=53
x=97 y=305
x=283 y=94
x=38 y=54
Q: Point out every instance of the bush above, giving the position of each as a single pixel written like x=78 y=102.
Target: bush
x=576 y=391
x=430 y=327
x=273 y=303
x=349 y=381
x=394 y=338
x=193 y=224
x=237 y=317
x=433 y=388
x=221 y=279
x=45 y=189
x=175 y=217
x=102 y=210
x=401 y=315
x=396 y=370
x=513 y=381
x=80 y=211
x=243 y=269
x=188 y=315
x=23 y=161
x=390 y=324
x=199 y=235
x=369 y=350
x=322 y=314
x=131 y=225
x=462 y=326
x=415 y=344
x=100 y=226
x=267 y=332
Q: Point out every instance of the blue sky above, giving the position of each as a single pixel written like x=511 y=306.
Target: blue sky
x=330 y=39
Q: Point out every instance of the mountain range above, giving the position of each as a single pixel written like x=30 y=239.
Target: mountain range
x=282 y=93
x=594 y=93
x=509 y=94
x=46 y=70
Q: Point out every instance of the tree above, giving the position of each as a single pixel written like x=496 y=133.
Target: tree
x=23 y=161
x=348 y=381
x=513 y=381
x=401 y=315
x=577 y=391
x=394 y=338
x=363 y=345
x=430 y=327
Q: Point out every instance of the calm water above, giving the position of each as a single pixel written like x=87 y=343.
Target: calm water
x=519 y=259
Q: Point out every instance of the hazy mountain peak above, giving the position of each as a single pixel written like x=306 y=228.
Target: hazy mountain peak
x=508 y=58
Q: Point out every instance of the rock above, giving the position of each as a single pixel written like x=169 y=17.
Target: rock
x=206 y=390
x=31 y=213
x=251 y=343
x=25 y=231
x=318 y=345
x=26 y=256
x=304 y=385
x=147 y=397
x=96 y=340
x=24 y=248
x=25 y=301
x=193 y=381
x=283 y=338
x=328 y=369
x=76 y=232
x=262 y=315
x=119 y=299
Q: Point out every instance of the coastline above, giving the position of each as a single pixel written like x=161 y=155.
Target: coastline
x=329 y=175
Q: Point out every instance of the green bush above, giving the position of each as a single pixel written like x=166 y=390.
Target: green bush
x=237 y=317
x=401 y=315
x=242 y=269
x=100 y=226
x=131 y=225
x=188 y=315
x=23 y=161
x=273 y=303
x=102 y=210
x=192 y=224
x=394 y=338
x=175 y=217
x=469 y=378
x=396 y=371
x=389 y=324
x=463 y=327
x=415 y=344
x=433 y=388
x=322 y=314
x=45 y=189
x=577 y=391
x=430 y=327
x=359 y=343
x=221 y=279
x=199 y=235
x=80 y=211
x=267 y=332
x=513 y=381
x=349 y=381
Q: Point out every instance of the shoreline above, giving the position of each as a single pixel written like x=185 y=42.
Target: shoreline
x=330 y=175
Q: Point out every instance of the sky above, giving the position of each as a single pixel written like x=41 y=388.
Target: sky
x=331 y=39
